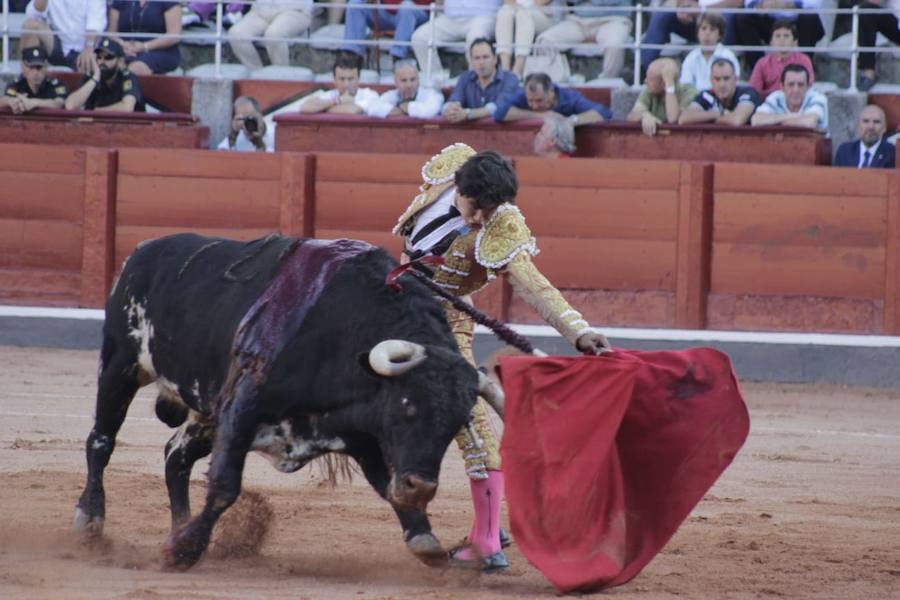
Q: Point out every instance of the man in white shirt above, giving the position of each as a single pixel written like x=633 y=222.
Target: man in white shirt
x=249 y=130
x=462 y=20
x=794 y=104
x=347 y=98
x=409 y=98
x=67 y=29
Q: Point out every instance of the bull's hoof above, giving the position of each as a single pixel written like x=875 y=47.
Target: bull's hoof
x=181 y=551
x=86 y=525
x=428 y=549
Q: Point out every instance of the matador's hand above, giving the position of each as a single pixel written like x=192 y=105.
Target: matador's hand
x=593 y=343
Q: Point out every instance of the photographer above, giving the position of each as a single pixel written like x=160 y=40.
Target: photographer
x=249 y=132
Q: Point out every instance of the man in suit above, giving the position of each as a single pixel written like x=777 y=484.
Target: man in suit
x=871 y=150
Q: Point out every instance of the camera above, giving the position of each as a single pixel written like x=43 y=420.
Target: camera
x=251 y=124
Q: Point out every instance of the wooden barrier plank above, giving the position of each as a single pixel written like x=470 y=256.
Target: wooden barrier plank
x=752 y=312
x=199 y=163
x=798 y=270
x=800 y=220
x=129 y=236
x=792 y=179
x=372 y=168
x=33 y=195
x=391 y=243
x=361 y=205
x=215 y=203
x=44 y=287
x=607 y=264
x=599 y=213
x=98 y=234
x=605 y=173
x=609 y=308
x=270 y=93
x=40 y=244
x=892 y=259
x=41 y=158
x=695 y=218
x=297 y=198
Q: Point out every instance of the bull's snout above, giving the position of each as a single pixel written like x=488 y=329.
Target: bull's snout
x=412 y=490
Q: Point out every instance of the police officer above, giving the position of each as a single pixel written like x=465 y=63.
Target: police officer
x=110 y=85
x=34 y=89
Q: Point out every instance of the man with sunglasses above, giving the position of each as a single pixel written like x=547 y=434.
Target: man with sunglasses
x=109 y=85
x=34 y=89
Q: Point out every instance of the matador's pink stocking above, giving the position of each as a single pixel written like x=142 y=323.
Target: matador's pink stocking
x=484 y=538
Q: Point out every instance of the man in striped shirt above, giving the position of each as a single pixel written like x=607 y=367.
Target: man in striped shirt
x=795 y=104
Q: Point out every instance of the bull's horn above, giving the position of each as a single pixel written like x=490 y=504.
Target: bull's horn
x=395 y=357
x=491 y=392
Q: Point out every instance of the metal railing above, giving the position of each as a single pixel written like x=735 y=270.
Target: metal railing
x=640 y=14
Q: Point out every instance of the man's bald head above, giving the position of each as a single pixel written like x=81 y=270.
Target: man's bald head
x=655 y=74
x=871 y=125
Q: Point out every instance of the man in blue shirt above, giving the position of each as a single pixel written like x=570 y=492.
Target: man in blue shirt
x=541 y=96
x=480 y=89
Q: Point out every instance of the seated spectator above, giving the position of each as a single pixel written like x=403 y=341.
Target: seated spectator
x=347 y=98
x=198 y=13
x=67 y=29
x=766 y=76
x=588 y=23
x=870 y=25
x=409 y=98
x=401 y=22
x=556 y=139
x=663 y=24
x=662 y=99
x=753 y=29
x=521 y=20
x=33 y=89
x=540 y=98
x=696 y=65
x=794 y=104
x=872 y=150
x=726 y=103
x=249 y=131
x=272 y=19
x=142 y=55
x=479 y=89
x=109 y=85
x=335 y=13
x=461 y=20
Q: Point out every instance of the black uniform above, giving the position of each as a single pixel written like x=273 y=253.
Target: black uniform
x=50 y=89
x=125 y=83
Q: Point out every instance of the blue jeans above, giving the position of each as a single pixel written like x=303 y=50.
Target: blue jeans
x=403 y=22
x=663 y=24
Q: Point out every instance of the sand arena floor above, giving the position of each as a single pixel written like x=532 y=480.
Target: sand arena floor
x=809 y=509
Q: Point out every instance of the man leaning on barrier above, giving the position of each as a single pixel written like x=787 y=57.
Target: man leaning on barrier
x=409 y=98
x=482 y=87
x=34 y=89
x=726 y=103
x=540 y=98
x=109 y=85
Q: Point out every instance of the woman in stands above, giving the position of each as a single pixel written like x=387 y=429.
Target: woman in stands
x=147 y=55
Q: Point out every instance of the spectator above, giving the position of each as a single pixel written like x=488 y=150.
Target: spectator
x=67 y=29
x=663 y=24
x=142 y=55
x=347 y=98
x=726 y=103
x=794 y=104
x=661 y=100
x=541 y=98
x=462 y=20
x=482 y=87
x=109 y=85
x=197 y=13
x=590 y=22
x=696 y=66
x=402 y=22
x=556 y=139
x=335 y=13
x=521 y=20
x=272 y=19
x=249 y=131
x=754 y=29
x=766 y=76
x=872 y=150
x=33 y=89
x=408 y=98
x=870 y=25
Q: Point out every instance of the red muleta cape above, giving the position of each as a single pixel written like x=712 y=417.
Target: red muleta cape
x=605 y=456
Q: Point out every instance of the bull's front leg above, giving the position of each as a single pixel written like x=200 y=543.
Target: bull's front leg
x=416 y=527
x=235 y=432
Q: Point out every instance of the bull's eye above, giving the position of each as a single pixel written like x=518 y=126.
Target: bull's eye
x=410 y=408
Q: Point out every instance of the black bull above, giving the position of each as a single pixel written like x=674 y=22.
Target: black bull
x=291 y=347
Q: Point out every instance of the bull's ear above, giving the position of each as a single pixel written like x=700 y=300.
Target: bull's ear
x=363 y=359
